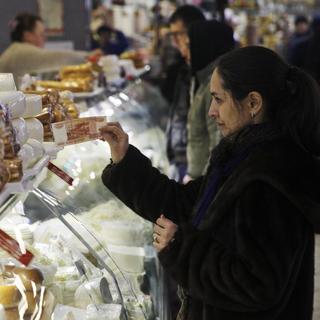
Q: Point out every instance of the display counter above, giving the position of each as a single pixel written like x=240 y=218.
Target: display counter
x=93 y=257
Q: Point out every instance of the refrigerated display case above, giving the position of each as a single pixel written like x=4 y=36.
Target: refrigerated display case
x=95 y=254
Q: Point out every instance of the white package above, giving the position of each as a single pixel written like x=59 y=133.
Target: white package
x=33 y=105
x=15 y=102
x=20 y=128
x=35 y=129
x=7 y=82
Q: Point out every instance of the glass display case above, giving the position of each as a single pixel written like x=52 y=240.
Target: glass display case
x=93 y=257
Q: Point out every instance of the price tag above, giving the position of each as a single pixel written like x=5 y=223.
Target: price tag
x=60 y=173
x=11 y=246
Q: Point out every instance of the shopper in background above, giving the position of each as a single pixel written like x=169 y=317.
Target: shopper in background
x=310 y=50
x=207 y=41
x=26 y=53
x=301 y=32
x=180 y=22
x=110 y=40
x=239 y=240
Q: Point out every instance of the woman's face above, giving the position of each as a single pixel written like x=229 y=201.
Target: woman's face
x=228 y=116
x=36 y=37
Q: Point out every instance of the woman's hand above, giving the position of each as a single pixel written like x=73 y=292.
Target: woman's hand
x=118 y=140
x=163 y=234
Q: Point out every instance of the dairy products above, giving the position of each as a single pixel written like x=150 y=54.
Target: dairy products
x=33 y=105
x=20 y=128
x=104 y=312
x=37 y=147
x=35 y=129
x=7 y=82
x=15 y=101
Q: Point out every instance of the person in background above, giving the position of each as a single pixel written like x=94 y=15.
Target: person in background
x=240 y=239
x=110 y=41
x=207 y=41
x=301 y=31
x=180 y=22
x=26 y=54
x=310 y=49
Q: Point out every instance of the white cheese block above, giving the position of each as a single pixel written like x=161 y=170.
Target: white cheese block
x=129 y=259
x=20 y=128
x=33 y=105
x=37 y=147
x=7 y=82
x=15 y=101
x=26 y=154
x=104 y=312
x=35 y=129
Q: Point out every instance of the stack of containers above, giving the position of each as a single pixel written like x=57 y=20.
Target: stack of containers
x=27 y=131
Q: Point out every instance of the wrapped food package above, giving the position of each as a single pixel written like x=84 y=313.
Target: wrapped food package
x=59 y=113
x=35 y=129
x=26 y=154
x=7 y=82
x=9 y=144
x=15 y=169
x=71 y=109
x=33 y=105
x=15 y=102
x=37 y=147
x=21 y=132
x=4 y=175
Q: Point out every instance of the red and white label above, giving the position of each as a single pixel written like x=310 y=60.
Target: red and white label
x=60 y=173
x=10 y=245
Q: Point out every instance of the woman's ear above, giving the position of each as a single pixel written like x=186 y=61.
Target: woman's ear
x=255 y=102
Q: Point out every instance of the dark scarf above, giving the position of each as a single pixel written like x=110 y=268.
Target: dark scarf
x=225 y=158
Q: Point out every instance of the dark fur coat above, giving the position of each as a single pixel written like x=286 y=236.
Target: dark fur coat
x=252 y=257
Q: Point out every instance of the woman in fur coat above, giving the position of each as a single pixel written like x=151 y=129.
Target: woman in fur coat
x=240 y=240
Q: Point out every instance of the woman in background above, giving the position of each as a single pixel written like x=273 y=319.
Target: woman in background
x=26 y=54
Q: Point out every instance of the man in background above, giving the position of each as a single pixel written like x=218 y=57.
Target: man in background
x=180 y=21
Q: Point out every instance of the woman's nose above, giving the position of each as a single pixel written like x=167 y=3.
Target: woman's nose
x=213 y=110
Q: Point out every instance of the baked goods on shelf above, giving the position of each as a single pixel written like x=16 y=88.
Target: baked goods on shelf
x=75 y=72
x=74 y=85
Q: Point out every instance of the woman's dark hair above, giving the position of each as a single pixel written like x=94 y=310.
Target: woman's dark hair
x=21 y=23
x=188 y=14
x=291 y=96
x=209 y=40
